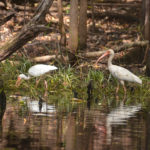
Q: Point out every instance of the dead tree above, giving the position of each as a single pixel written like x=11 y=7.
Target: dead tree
x=61 y=23
x=83 y=24
x=73 y=30
x=147 y=35
x=28 y=32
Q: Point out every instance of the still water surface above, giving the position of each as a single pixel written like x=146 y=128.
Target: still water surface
x=34 y=125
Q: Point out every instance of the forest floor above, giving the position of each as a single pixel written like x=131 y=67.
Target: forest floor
x=115 y=25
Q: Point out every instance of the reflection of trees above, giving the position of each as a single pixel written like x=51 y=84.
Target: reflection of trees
x=2 y=105
x=36 y=133
x=123 y=128
x=147 y=133
x=86 y=130
x=59 y=138
x=130 y=135
x=81 y=129
x=15 y=134
x=14 y=140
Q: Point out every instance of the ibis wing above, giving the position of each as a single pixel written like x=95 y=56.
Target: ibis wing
x=123 y=74
x=40 y=69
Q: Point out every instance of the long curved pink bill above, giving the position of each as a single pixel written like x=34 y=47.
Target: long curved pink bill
x=101 y=57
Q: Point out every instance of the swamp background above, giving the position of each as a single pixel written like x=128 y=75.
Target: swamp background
x=80 y=101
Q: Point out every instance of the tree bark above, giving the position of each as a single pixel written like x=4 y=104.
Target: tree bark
x=7 y=18
x=73 y=32
x=147 y=22
x=28 y=32
x=142 y=19
x=61 y=23
x=93 y=15
x=147 y=35
x=147 y=72
x=83 y=24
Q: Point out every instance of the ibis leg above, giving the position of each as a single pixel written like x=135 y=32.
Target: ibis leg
x=46 y=87
x=37 y=82
x=124 y=88
x=125 y=93
x=117 y=89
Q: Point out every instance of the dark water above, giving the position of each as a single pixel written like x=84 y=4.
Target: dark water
x=34 y=125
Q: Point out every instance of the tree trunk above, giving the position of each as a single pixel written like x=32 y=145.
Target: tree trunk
x=93 y=18
x=148 y=64
x=61 y=23
x=28 y=32
x=143 y=13
x=147 y=35
x=73 y=29
x=147 y=22
x=83 y=24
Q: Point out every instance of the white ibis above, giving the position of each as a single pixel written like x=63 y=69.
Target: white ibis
x=36 y=71
x=118 y=72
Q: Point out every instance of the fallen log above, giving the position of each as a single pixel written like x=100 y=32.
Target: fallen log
x=28 y=32
x=117 y=4
x=131 y=44
x=117 y=49
x=93 y=54
x=21 y=39
x=45 y=58
x=7 y=18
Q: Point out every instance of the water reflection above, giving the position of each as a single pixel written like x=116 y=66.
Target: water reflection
x=40 y=107
x=119 y=116
x=89 y=93
x=78 y=128
x=2 y=105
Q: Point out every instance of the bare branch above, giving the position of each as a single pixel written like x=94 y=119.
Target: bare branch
x=28 y=32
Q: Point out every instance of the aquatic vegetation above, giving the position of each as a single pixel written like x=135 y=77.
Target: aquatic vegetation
x=63 y=82
x=95 y=75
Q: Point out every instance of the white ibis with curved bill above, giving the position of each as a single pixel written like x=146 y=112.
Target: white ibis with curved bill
x=118 y=72
x=36 y=71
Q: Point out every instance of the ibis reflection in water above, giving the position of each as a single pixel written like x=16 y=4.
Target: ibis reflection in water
x=119 y=116
x=42 y=109
x=38 y=107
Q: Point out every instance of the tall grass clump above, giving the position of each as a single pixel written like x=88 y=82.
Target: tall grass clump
x=96 y=76
x=9 y=72
x=68 y=77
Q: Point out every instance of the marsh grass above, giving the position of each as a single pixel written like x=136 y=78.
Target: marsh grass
x=62 y=83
